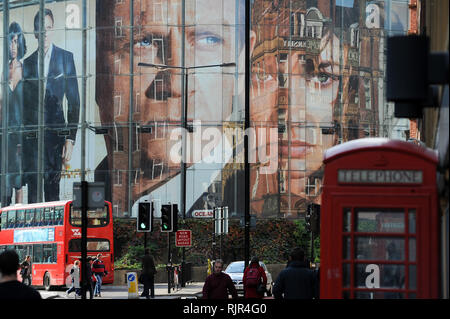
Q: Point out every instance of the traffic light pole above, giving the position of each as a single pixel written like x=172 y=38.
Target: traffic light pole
x=246 y=146
x=84 y=222
x=168 y=262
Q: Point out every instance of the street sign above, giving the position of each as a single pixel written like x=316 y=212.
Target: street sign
x=183 y=238
x=221 y=220
x=203 y=213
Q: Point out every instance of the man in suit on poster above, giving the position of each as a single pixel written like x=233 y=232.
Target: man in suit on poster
x=60 y=75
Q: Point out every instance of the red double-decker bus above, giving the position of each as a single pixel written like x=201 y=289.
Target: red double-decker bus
x=51 y=234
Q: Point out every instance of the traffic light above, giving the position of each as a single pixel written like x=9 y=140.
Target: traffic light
x=308 y=218
x=312 y=218
x=145 y=217
x=169 y=218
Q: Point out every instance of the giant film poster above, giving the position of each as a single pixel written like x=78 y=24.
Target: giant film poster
x=143 y=104
x=316 y=80
x=45 y=154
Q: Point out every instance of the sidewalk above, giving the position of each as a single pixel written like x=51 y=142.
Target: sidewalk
x=191 y=290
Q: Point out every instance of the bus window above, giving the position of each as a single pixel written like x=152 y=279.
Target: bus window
x=29 y=217
x=37 y=253
x=93 y=245
x=4 y=217
x=75 y=217
x=49 y=253
x=48 y=216
x=38 y=217
x=59 y=215
x=20 y=221
x=96 y=218
x=11 y=218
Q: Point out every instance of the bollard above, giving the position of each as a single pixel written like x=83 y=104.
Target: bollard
x=133 y=290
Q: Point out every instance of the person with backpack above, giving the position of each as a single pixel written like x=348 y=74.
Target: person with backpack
x=254 y=276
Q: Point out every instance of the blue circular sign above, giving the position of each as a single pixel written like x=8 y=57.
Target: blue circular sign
x=131 y=277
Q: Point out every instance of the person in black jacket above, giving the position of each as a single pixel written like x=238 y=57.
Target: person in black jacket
x=148 y=275
x=10 y=287
x=88 y=273
x=296 y=281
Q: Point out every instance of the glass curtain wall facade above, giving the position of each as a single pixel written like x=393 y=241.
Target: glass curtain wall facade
x=115 y=91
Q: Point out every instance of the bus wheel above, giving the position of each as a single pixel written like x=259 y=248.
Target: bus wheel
x=47 y=285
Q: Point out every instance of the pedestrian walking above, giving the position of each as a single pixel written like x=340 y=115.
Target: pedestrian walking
x=75 y=274
x=254 y=280
x=218 y=285
x=296 y=281
x=25 y=271
x=10 y=287
x=98 y=268
x=148 y=275
x=88 y=285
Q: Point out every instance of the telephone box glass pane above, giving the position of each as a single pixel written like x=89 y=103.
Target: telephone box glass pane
x=346 y=275
x=412 y=221
x=373 y=276
x=379 y=248
x=347 y=248
x=412 y=249
x=412 y=277
x=378 y=295
x=380 y=220
x=347 y=220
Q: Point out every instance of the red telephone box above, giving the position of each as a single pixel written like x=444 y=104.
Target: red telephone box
x=379 y=221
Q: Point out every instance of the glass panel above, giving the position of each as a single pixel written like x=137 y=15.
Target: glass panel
x=96 y=218
x=346 y=275
x=11 y=219
x=412 y=249
x=379 y=276
x=4 y=220
x=380 y=220
x=48 y=216
x=412 y=296
x=412 y=277
x=412 y=221
x=59 y=215
x=379 y=248
x=37 y=253
x=347 y=248
x=29 y=216
x=49 y=253
x=378 y=295
x=347 y=220
x=20 y=218
x=39 y=218
x=92 y=245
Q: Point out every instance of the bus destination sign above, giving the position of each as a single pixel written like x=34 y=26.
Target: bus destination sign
x=371 y=176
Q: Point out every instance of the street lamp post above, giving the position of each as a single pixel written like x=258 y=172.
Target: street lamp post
x=184 y=115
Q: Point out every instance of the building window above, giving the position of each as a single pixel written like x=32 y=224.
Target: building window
x=118 y=27
x=117 y=178
x=117 y=104
x=118 y=140
x=367 y=93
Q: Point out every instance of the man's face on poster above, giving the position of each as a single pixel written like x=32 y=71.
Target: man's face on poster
x=209 y=40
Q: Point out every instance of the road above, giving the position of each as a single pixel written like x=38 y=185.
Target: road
x=192 y=290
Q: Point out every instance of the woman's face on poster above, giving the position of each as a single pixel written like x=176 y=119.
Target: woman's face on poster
x=312 y=83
